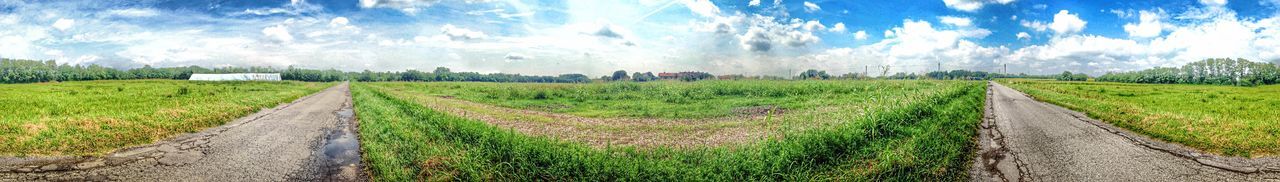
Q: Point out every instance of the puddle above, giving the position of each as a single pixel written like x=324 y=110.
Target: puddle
x=341 y=150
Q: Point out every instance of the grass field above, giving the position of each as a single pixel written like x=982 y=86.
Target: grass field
x=95 y=117
x=859 y=130
x=1230 y=120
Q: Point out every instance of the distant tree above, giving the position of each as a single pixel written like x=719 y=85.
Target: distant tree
x=814 y=74
x=1068 y=76
x=643 y=77
x=619 y=75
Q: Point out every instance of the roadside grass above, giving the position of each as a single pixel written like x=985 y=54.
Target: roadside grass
x=922 y=135
x=1229 y=120
x=661 y=99
x=735 y=128
x=95 y=117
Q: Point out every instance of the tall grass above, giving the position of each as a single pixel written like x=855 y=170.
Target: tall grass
x=94 y=117
x=927 y=138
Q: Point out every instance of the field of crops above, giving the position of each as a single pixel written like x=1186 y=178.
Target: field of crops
x=664 y=131
x=94 y=117
x=1236 y=121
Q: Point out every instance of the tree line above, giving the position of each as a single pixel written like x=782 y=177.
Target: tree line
x=1217 y=71
x=30 y=71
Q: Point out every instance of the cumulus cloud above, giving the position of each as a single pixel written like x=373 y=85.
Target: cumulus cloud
x=920 y=43
x=838 y=28
x=1066 y=23
x=812 y=25
x=811 y=7
x=702 y=7
x=860 y=35
x=956 y=21
x=756 y=39
x=1149 y=25
x=764 y=32
x=972 y=5
x=1023 y=36
x=753 y=3
x=278 y=33
x=63 y=24
x=1222 y=35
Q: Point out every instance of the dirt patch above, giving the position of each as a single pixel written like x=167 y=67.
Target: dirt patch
x=754 y=124
x=765 y=110
x=34 y=128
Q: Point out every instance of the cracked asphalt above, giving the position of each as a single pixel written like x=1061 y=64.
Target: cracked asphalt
x=1026 y=140
x=310 y=139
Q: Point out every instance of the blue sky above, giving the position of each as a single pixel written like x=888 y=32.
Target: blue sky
x=761 y=37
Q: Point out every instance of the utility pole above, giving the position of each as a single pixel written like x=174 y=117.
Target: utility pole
x=939 y=65
x=865 y=71
x=1006 y=69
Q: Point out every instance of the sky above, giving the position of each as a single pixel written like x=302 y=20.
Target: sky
x=596 y=37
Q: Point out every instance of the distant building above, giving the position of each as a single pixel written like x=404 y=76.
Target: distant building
x=665 y=75
x=237 y=77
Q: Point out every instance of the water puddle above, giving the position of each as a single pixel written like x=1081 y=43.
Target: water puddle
x=342 y=149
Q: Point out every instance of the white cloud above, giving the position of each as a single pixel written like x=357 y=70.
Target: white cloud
x=764 y=32
x=838 y=28
x=1066 y=23
x=972 y=5
x=1149 y=25
x=461 y=34
x=702 y=7
x=813 y=25
x=860 y=35
x=754 y=3
x=397 y=3
x=1035 y=25
x=1023 y=36
x=339 y=22
x=918 y=43
x=956 y=21
x=1214 y=3
x=277 y=33
x=134 y=12
x=811 y=7
x=63 y=24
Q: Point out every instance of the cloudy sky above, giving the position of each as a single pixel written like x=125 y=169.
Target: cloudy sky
x=754 y=37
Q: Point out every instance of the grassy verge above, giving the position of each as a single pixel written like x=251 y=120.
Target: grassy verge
x=925 y=136
x=95 y=117
x=1235 y=121
x=663 y=99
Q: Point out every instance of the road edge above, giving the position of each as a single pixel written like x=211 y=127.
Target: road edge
x=1233 y=164
x=129 y=154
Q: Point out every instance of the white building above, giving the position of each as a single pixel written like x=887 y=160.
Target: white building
x=237 y=77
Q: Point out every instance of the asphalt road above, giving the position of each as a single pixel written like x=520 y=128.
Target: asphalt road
x=310 y=139
x=1027 y=140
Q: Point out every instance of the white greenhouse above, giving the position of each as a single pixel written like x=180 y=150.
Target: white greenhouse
x=237 y=77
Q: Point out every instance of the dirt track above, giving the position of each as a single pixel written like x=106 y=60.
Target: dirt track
x=311 y=139
x=1026 y=140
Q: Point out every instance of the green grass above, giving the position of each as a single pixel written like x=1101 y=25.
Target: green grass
x=1235 y=121
x=664 y=99
x=95 y=117
x=913 y=135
